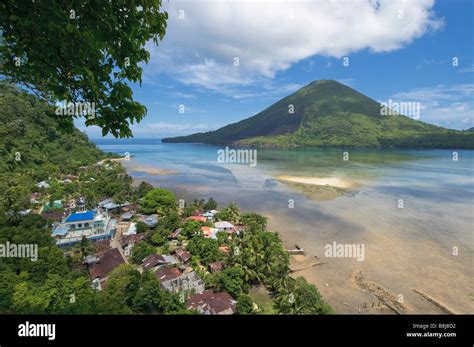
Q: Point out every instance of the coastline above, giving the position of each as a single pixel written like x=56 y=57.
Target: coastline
x=316 y=188
x=132 y=166
x=317 y=181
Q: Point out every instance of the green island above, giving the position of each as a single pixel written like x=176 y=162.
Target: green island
x=109 y=246
x=326 y=113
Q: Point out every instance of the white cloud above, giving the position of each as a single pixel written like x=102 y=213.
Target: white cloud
x=270 y=36
x=160 y=129
x=467 y=69
x=450 y=106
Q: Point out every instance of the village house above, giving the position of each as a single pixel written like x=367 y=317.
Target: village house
x=127 y=242
x=101 y=247
x=197 y=219
x=90 y=224
x=225 y=226
x=209 y=302
x=210 y=214
x=151 y=220
x=110 y=206
x=209 y=233
x=175 y=234
x=183 y=255
x=216 y=266
x=103 y=265
x=43 y=184
x=126 y=216
x=155 y=261
x=105 y=201
x=176 y=281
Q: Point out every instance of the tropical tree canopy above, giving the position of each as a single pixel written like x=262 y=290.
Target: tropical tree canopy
x=158 y=201
x=81 y=52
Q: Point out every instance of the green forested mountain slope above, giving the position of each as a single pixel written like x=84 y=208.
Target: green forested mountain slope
x=31 y=139
x=328 y=113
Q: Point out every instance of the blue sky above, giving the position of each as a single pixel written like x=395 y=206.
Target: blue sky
x=399 y=50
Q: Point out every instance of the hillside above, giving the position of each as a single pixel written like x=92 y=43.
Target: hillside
x=32 y=138
x=328 y=113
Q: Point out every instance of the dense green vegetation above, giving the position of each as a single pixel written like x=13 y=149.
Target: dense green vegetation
x=39 y=139
x=159 y=201
x=56 y=284
x=66 y=51
x=328 y=113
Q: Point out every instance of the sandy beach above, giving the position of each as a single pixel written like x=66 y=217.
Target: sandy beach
x=326 y=181
x=318 y=188
x=150 y=170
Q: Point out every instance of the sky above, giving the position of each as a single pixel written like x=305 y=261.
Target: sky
x=224 y=61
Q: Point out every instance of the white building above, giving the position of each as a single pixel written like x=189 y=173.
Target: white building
x=93 y=225
x=224 y=226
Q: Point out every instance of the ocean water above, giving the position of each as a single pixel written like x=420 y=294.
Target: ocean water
x=402 y=244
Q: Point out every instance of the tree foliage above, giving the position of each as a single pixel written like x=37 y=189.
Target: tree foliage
x=300 y=297
x=207 y=250
x=159 y=201
x=82 y=51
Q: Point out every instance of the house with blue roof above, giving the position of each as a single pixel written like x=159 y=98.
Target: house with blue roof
x=90 y=224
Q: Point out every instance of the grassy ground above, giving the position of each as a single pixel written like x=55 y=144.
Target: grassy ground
x=262 y=297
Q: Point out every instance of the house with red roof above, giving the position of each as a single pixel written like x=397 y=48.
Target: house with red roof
x=103 y=266
x=209 y=302
x=201 y=219
x=154 y=261
x=183 y=255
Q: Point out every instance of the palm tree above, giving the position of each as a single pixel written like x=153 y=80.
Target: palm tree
x=9 y=201
x=254 y=222
x=279 y=282
x=85 y=247
x=233 y=212
x=13 y=217
x=250 y=275
x=286 y=299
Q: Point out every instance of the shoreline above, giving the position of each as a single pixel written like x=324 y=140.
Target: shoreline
x=131 y=166
x=317 y=181
x=318 y=188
